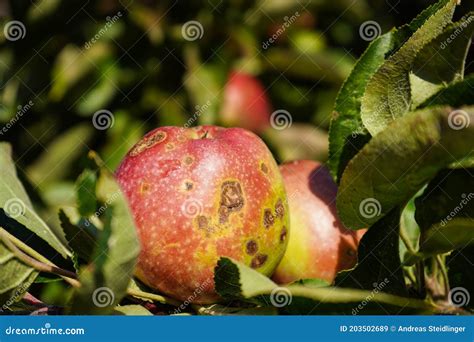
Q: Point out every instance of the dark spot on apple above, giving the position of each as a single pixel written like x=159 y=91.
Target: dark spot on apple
x=268 y=218
x=259 y=260
x=203 y=224
x=144 y=187
x=188 y=160
x=169 y=147
x=232 y=200
x=188 y=185
x=252 y=247
x=264 y=168
x=283 y=234
x=279 y=209
x=148 y=142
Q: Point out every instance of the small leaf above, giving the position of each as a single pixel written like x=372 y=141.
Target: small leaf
x=17 y=205
x=445 y=212
x=442 y=61
x=132 y=310
x=388 y=93
x=86 y=197
x=81 y=239
x=379 y=261
x=399 y=161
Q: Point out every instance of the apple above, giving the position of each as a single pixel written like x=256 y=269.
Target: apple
x=245 y=103
x=199 y=194
x=319 y=245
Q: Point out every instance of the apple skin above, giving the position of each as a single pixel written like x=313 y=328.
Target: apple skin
x=199 y=194
x=245 y=103
x=319 y=245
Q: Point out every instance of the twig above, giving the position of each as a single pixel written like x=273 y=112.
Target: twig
x=32 y=258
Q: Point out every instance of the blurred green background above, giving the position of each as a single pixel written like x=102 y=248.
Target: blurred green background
x=131 y=59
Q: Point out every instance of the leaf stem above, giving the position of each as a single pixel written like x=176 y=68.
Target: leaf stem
x=35 y=260
x=444 y=273
x=406 y=241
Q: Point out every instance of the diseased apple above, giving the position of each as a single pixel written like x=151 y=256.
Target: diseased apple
x=199 y=194
x=319 y=245
x=245 y=103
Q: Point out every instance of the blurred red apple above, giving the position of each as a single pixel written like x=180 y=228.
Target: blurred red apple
x=199 y=194
x=245 y=103
x=319 y=245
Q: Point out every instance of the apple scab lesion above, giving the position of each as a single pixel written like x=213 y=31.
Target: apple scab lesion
x=279 y=209
x=251 y=247
x=203 y=224
x=268 y=219
x=259 y=260
x=232 y=200
x=264 y=168
x=283 y=234
x=148 y=142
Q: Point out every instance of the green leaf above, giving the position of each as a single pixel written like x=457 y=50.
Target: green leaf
x=17 y=205
x=106 y=279
x=379 y=261
x=388 y=94
x=15 y=277
x=455 y=95
x=86 y=197
x=347 y=134
x=132 y=310
x=442 y=61
x=445 y=212
x=399 y=161
x=237 y=281
x=81 y=238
